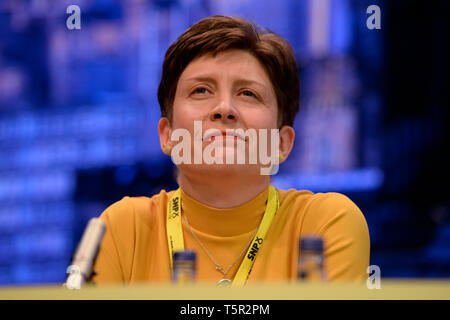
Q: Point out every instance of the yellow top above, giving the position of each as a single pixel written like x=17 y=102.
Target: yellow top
x=134 y=248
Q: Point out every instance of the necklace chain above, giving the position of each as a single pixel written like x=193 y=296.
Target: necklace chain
x=218 y=266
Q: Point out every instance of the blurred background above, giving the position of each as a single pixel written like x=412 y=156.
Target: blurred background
x=79 y=113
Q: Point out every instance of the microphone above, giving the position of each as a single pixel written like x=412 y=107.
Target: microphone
x=82 y=263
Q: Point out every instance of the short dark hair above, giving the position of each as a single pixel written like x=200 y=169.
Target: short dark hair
x=216 y=34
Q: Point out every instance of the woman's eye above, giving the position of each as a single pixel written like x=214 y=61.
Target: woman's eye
x=200 y=90
x=248 y=93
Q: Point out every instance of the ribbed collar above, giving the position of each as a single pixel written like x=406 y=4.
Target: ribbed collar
x=224 y=222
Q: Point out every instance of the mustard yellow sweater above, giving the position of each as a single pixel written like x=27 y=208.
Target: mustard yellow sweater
x=134 y=248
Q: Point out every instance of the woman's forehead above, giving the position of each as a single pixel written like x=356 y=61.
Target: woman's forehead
x=238 y=65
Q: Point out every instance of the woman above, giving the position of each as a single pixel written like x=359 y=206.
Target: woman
x=223 y=79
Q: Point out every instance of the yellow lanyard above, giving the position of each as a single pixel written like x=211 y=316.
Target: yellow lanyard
x=175 y=233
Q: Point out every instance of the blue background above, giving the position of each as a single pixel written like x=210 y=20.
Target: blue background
x=78 y=115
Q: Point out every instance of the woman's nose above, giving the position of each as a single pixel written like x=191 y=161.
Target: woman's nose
x=225 y=112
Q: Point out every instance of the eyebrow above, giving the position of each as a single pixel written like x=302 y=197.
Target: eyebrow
x=209 y=79
x=201 y=79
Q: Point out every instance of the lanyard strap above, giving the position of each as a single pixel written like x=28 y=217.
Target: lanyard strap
x=176 y=242
x=174 y=228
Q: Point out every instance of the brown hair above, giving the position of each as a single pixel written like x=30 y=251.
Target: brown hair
x=216 y=34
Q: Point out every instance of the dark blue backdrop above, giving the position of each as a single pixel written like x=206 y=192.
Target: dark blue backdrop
x=78 y=115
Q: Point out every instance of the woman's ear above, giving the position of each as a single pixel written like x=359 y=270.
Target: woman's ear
x=287 y=137
x=165 y=131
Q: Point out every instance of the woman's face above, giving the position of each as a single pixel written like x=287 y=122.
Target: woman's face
x=228 y=91
x=233 y=84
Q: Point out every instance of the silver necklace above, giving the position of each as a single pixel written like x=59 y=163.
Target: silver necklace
x=224 y=282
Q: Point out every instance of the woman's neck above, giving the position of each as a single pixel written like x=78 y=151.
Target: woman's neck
x=226 y=192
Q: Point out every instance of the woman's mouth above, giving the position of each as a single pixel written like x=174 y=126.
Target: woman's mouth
x=223 y=135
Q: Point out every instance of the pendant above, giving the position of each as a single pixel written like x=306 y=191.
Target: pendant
x=224 y=283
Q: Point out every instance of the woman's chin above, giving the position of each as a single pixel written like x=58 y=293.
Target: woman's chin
x=222 y=169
